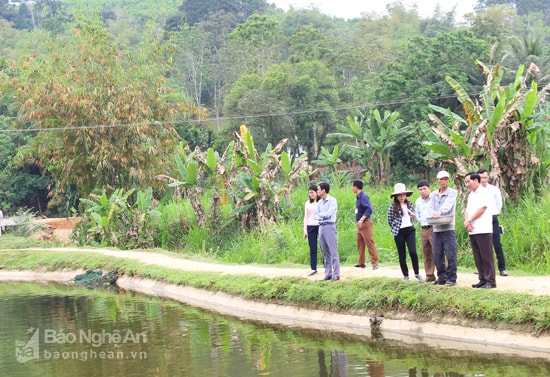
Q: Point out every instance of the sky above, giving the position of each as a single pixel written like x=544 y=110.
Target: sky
x=353 y=8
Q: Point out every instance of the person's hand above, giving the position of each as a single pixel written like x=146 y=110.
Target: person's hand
x=305 y=234
x=436 y=215
x=468 y=225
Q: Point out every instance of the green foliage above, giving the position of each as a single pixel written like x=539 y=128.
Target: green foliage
x=114 y=221
x=504 y=133
x=374 y=137
x=98 y=104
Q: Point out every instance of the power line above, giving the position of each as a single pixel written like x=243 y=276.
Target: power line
x=227 y=118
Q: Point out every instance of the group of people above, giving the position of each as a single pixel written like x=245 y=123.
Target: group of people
x=434 y=210
x=320 y=224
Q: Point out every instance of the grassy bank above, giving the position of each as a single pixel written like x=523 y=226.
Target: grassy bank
x=394 y=298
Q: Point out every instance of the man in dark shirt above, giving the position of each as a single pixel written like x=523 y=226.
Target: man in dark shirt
x=365 y=237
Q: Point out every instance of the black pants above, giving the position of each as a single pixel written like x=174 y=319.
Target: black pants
x=497 y=245
x=406 y=238
x=312 y=239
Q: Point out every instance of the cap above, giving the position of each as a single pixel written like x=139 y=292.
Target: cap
x=442 y=174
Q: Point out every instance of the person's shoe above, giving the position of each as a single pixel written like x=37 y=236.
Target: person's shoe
x=327 y=278
x=335 y=279
x=478 y=285
x=439 y=282
x=430 y=279
x=503 y=273
x=360 y=265
x=450 y=284
x=312 y=273
x=375 y=267
x=488 y=286
x=405 y=278
x=419 y=277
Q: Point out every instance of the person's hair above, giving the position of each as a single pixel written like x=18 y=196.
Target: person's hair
x=324 y=186
x=481 y=171
x=313 y=188
x=473 y=176
x=422 y=183
x=357 y=183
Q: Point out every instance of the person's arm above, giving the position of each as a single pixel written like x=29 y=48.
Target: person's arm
x=471 y=218
x=365 y=202
x=330 y=210
x=498 y=200
x=390 y=215
x=305 y=220
x=412 y=214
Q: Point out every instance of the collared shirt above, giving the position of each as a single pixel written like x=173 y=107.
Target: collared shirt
x=326 y=210
x=478 y=199
x=362 y=206
x=496 y=195
x=395 y=220
x=309 y=210
x=445 y=204
x=422 y=210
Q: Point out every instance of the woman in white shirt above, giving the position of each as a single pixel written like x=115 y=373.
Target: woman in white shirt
x=311 y=227
x=400 y=219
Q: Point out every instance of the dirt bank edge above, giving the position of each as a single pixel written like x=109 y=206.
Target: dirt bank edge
x=435 y=335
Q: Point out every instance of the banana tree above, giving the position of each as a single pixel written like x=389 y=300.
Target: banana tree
x=374 y=137
x=499 y=131
x=259 y=184
x=263 y=182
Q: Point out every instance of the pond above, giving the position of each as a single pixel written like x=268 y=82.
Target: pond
x=58 y=330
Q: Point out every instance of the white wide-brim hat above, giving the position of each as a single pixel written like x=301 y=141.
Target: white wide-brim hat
x=400 y=188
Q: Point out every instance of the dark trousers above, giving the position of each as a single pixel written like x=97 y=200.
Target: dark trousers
x=482 y=248
x=312 y=239
x=406 y=239
x=497 y=245
x=445 y=245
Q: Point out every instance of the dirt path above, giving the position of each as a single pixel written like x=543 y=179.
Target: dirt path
x=61 y=228
x=536 y=285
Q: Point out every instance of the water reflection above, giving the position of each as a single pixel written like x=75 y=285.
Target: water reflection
x=185 y=341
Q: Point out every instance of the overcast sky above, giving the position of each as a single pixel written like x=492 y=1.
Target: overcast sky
x=353 y=8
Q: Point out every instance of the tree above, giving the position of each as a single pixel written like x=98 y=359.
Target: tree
x=374 y=137
x=192 y=61
x=506 y=132
x=200 y=10
x=101 y=114
x=301 y=97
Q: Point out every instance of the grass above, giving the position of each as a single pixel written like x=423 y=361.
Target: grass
x=390 y=296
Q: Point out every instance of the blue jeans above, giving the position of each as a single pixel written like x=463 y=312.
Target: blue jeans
x=445 y=245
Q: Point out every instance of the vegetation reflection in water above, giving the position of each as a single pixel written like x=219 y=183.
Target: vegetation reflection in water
x=98 y=332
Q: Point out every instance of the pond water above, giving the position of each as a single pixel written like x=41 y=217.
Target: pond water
x=56 y=330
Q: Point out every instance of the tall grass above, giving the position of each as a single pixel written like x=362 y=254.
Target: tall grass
x=526 y=240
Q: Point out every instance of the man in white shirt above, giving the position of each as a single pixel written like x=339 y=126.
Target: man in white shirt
x=496 y=196
x=479 y=224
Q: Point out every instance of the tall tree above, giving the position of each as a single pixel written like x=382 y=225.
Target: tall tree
x=302 y=98
x=200 y=10
x=100 y=112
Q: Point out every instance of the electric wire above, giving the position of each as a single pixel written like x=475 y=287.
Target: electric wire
x=230 y=118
